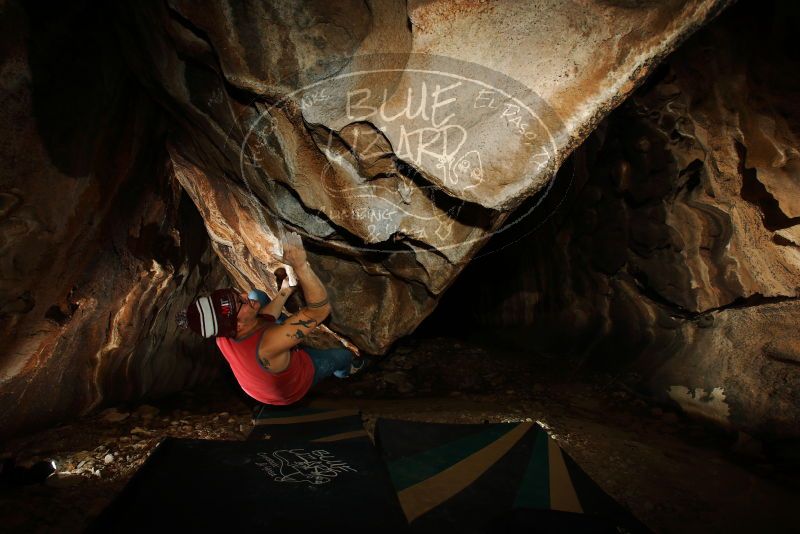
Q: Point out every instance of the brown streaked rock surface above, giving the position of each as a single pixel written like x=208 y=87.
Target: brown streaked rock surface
x=396 y=137
x=98 y=249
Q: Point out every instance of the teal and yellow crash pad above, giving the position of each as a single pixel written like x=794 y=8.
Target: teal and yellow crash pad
x=493 y=477
x=307 y=422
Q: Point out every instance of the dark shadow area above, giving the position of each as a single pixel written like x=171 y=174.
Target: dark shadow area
x=80 y=81
x=493 y=276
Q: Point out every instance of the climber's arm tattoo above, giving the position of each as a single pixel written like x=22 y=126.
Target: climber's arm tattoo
x=297 y=335
x=289 y=334
x=307 y=323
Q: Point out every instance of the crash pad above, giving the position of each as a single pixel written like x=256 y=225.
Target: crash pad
x=492 y=478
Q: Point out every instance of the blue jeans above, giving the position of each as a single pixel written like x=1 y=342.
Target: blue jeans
x=329 y=362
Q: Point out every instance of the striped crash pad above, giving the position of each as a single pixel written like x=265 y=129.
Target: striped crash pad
x=493 y=478
x=307 y=423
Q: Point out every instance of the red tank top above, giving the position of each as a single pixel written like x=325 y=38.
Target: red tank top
x=285 y=387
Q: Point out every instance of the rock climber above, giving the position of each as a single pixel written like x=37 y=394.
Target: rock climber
x=262 y=347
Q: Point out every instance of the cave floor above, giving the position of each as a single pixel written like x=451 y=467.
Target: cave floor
x=674 y=474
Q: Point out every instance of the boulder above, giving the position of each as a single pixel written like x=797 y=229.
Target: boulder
x=397 y=137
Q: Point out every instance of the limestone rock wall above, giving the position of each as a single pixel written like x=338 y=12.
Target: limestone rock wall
x=156 y=150
x=99 y=246
x=676 y=252
x=734 y=222
x=397 y=137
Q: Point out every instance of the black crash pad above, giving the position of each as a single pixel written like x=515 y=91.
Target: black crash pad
x=224 y=486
